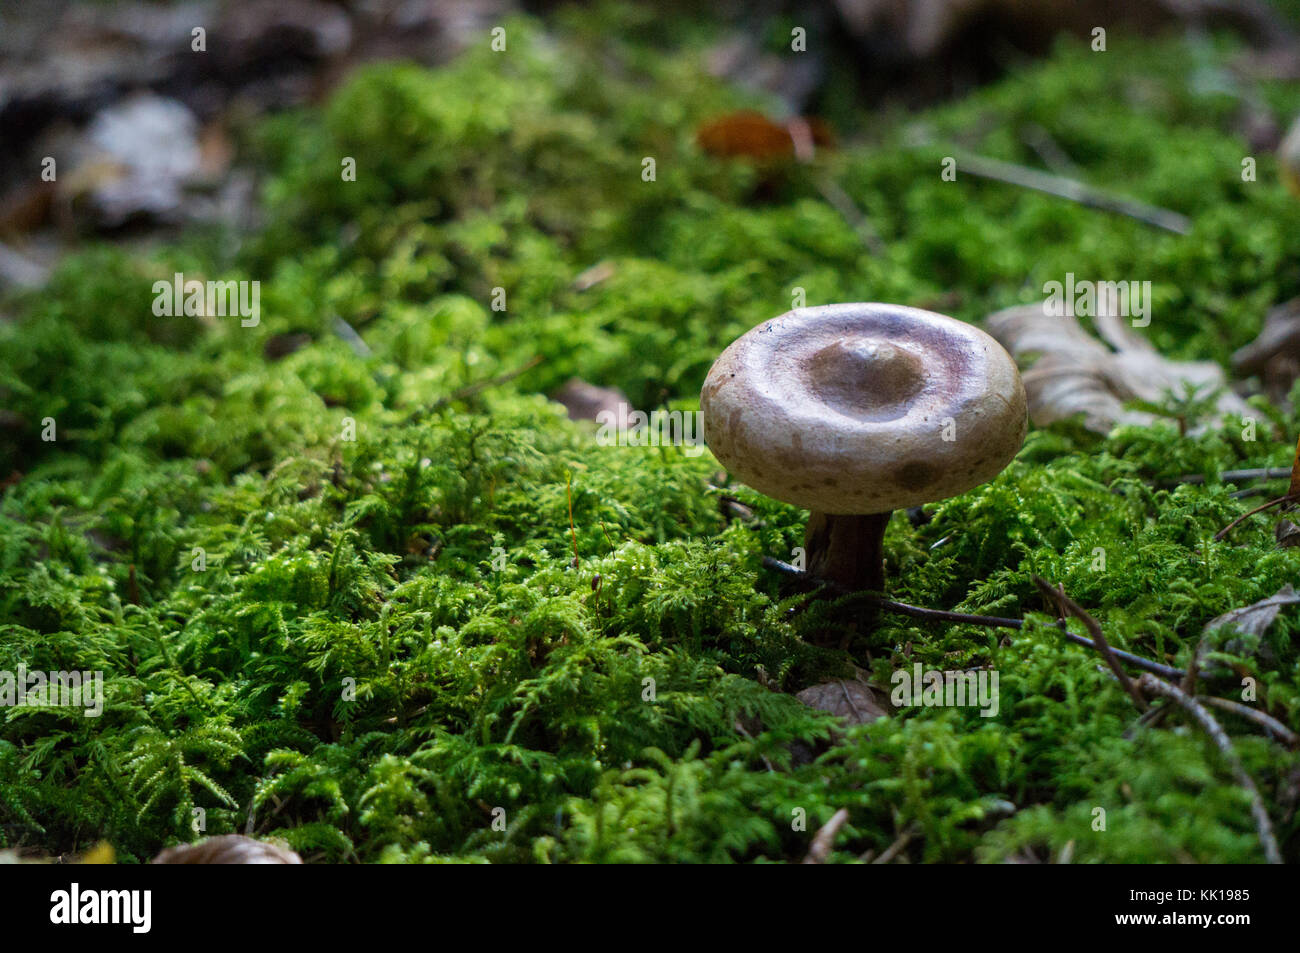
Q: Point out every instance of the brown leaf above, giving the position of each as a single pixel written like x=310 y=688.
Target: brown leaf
x=851 y=700
x=1067 y=371
x=228 y=849
x=1255 y=618
x=745 y=134
x=751 y=135
x=1252 y=620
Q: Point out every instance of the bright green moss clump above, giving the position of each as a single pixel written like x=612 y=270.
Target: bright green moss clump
x=388 y=639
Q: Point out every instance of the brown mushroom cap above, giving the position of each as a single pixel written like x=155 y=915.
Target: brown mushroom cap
x=843 y=409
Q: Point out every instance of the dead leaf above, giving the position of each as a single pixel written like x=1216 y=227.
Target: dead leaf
x=1067 y=371
x=144 y=150
x=228 y=849
x=745 y=134
x=751 y=135
x=1255 y=618
x=851 y=700
x=1275 y=352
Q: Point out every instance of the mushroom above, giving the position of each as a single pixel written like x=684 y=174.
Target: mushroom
x=228 y=849
x=856 y=410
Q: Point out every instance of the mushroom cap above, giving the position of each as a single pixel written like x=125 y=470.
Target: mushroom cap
x=864 y=408
x=228 y=849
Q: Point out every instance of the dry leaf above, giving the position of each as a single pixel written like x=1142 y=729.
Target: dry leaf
x=746 y=134
x=1275 y=352
x=851 y=700
x=751 y=135
x=1255 y=618
x=145 y=149
x=1067 y=371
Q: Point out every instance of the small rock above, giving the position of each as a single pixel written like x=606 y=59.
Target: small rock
x=586 y=401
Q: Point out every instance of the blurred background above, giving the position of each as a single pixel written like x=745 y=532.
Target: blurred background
x=145 y=117
x=459 y=214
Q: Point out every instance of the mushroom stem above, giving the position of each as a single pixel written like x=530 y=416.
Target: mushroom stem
x=848 y=550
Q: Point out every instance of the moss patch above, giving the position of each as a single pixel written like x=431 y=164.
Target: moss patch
x=388 y=640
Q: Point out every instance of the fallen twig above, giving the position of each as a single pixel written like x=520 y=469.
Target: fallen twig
x=1280 y=501
x=1264 y=826
x=896 y=848
x=1066 y=604
x=740 y=729
x=1073 y=190
x=824 y=839
x=1263 y=719
x=1232 y=476
x=989 y=621
x=843 y=203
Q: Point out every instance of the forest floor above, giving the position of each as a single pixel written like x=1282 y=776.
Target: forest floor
x=354 y=581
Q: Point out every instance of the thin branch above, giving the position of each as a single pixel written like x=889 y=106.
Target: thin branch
x=1057 y=594
x=1073 y=190
x=824 y=839
x=1280 y=501
x=989 y=621
x=1263 y=825
x=740 y=729
x=1148 y=719
x=843 y=203
x=1233 y=476
x=896 y=848
x=349 y=334
x=1263 y=719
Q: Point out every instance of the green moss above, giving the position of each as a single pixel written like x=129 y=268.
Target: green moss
x=390 y=638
